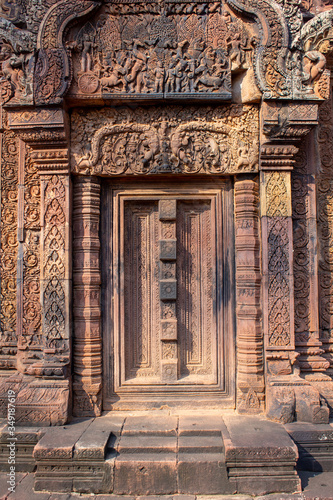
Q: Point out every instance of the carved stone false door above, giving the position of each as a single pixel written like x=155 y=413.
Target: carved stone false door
x=165 y=327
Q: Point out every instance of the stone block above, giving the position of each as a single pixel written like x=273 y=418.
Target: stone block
x=202 y=473
x=146 y=474
x=169 y=370
x=167 y=209
x=59 y=442
x=315 y=445
x=26 y=440
x=147 y=444
x=168 y=249
x=260 y=456
x=151 y=424
x=169 y=329
x=208 y=425
x=94 y=440
x=201 y=443
x=168 y=289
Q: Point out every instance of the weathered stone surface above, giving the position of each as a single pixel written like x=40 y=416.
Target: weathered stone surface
x=315 y=445
x=166 y=425
x=146 y=474
x=259 y=469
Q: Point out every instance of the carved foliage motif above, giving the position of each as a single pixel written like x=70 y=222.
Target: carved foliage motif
x=53 y=293
x=325 y=227
x=278 y=259
x=31 y=334
x=9 y=245
x=171 y=140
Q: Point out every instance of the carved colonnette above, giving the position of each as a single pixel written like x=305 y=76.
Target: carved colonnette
x=87 y=348
x=250 y=359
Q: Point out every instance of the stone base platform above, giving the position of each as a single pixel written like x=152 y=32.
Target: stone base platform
x=163 y=454
x=315 y=446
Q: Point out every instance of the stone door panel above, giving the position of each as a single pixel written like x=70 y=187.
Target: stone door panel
x=166 y=336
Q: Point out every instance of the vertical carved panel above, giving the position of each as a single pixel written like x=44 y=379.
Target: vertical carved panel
x=30 y=340
x=55 y=336
x=196 y=279
x=277 y=259
x=9 y=247
x=325 y=229
x=305 y=236
x=142 y=353
x=250 y=382
x=86 y=292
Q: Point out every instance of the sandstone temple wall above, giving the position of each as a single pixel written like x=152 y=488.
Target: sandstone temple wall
x=106 y=103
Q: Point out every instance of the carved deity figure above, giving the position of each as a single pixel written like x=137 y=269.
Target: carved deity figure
x=86 y=56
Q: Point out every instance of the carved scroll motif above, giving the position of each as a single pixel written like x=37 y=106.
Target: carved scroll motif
x=9 y=246
x=325 y=229
x=306 y=297
x=173 y=140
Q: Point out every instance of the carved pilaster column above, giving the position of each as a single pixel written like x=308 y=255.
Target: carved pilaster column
x=55 y=269
x=87 y=304
x=42 y=379
x=288 y=396
x=250 y=381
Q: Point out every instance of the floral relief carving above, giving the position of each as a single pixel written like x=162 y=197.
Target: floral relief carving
x=9 y=247
x=170 y=140
x=54 y=306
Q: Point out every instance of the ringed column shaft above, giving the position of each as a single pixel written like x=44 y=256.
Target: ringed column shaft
x=87 y=297
x=250 y=379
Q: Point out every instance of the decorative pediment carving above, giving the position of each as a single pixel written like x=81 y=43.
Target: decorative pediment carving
x=175 y=50
x=170 y=140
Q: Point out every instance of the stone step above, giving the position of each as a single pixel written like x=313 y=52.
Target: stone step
x=260 y=456
x=147 y=444
x=167 y=455
x=315 y=445
x=200 y=443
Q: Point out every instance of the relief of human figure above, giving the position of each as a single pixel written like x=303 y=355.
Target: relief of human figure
x=114 y=75
x=137 y=76
x=159 y=73
x=86 y=56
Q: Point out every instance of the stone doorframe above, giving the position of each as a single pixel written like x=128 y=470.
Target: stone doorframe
x=44 y=131
x=42 y=368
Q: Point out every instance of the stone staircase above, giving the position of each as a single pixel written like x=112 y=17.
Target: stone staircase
x=161 y=454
